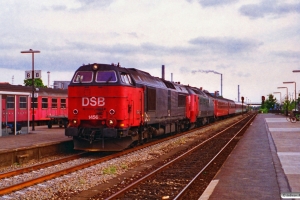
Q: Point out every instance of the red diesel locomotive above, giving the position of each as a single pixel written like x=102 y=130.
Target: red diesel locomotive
x=112 y=108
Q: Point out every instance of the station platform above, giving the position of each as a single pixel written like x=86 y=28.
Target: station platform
x=42 y=135
x=265 y=164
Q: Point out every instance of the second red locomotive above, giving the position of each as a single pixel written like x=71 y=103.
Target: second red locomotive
x=112 y=108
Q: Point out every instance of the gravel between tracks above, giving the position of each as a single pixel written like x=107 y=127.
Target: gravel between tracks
x=66 y=186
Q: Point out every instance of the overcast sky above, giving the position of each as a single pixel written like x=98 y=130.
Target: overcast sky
x=253 y=43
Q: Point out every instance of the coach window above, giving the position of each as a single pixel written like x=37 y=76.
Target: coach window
x=44 y=102
x=10 y=102
x=54 y=103
x=63 y=103
x=23 y=102
x=35 y=102
x=126 y=78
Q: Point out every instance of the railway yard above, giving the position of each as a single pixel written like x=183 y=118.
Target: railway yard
x=188 y=165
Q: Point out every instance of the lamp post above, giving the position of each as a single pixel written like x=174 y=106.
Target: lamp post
x=287 y=93
x=287 y=82
x=295 y=71
x=278 y=93
x=32 y=76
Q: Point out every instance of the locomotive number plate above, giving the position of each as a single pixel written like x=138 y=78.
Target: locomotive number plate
x=93 y=117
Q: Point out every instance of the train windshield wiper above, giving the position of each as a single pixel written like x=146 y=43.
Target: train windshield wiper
x=109 y=79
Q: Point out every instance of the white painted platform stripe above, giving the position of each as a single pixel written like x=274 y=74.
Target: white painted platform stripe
x=285 y=129
x=208 y=191
x=290 y=162
x=276 y=120
x=288 y=153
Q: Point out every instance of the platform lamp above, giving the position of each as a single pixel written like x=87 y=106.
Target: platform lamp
x=278 y=93
x=296 y=71
x=32 y=76
x=287 y=93
x=295 y=90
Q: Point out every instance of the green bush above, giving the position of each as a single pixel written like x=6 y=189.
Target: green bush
x=263 y=110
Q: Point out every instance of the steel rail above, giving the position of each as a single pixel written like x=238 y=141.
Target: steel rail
x=124 y=190
x=182 y=192
x=41 y=179
x=40 y=166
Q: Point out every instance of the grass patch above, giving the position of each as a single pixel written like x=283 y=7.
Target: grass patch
x=110 y=170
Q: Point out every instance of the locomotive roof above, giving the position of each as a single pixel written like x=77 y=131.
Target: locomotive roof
x=144 y=78
x=140 y=77
x=6 y=87
x=218 y=97
x=196 y=90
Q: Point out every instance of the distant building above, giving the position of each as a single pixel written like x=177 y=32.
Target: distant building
x=61 y=84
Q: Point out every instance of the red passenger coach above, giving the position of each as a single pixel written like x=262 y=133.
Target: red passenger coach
x=221 y=107
x=16 y=105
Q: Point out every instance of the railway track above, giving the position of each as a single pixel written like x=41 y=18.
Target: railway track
x=26 y=175
x=10 y=184
x=181 y=177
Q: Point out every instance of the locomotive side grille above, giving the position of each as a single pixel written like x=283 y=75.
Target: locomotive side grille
x=151 y=99
x=151 y=94
x=181 y=100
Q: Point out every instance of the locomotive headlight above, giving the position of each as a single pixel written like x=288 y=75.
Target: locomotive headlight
x=111 y=122
x=95 y=67
x=74 y=121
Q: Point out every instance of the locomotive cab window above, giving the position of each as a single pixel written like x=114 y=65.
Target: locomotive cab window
x=125 y=78
x=106 y=77
x=83 y=77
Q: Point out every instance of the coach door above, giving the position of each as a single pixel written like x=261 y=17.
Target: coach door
x=14 y=116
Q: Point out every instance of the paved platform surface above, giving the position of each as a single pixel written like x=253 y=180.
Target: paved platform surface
x=264 y=164
x=40 y=136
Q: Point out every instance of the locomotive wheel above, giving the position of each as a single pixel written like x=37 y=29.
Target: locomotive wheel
x=65 y=123
x=60 y=123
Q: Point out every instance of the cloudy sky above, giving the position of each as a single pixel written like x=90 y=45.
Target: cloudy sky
x=252 y=43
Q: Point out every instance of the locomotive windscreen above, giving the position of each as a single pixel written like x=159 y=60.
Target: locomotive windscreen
x=83 y=77
x=106 y=76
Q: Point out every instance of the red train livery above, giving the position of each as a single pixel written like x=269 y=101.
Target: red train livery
x=16 y=105
x=112 y=108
